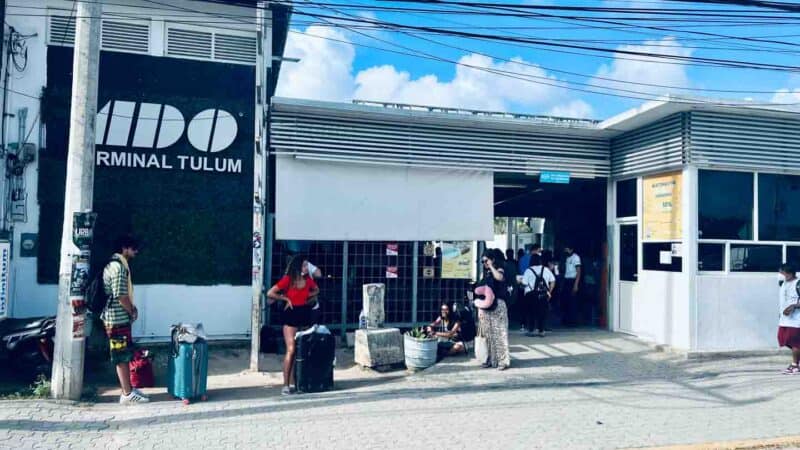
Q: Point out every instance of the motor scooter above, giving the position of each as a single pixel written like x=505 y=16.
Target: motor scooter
x=26 y=346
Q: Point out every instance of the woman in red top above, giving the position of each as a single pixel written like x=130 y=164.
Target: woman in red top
x=295 y=289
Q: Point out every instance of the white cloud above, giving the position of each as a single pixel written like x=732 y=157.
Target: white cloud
x=471 y=87
x=576 y=109
x=325 y=68
x=629 y=68
x=787 y=96
x=325 y=72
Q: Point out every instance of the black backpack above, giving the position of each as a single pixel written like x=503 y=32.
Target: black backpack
x=468 y=330
x=96 y=297
x=539 y=290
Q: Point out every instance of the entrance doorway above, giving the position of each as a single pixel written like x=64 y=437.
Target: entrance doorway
x=628 y=273
x=556 y=216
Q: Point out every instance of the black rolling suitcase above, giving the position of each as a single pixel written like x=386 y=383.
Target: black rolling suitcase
x=314 y=360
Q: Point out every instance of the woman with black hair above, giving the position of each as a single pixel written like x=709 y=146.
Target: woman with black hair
x=296 y=289
x=492 y=311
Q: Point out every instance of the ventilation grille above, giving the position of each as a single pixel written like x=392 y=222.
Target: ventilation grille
x=62 y=30
x=116 y=35
x=130 y=37
x=235 y=48
x=197 y=44
x=189 y=43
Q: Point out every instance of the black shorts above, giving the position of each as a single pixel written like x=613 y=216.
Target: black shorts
x=297 y=317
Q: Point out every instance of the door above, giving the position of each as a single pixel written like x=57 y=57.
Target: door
x=628 y=273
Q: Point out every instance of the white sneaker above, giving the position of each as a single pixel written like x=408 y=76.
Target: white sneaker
x=133 y=397
x=140 y=393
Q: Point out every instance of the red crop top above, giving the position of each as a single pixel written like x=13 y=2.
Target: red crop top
x=297 y=296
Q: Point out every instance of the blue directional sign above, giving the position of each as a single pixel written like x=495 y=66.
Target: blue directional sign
x=554 y=177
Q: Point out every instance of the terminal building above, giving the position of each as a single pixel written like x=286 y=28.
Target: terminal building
x=682 y=209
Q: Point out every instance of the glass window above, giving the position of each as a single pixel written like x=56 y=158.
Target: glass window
x=777 y=219
x=755 y=258
x=793 y=256
x=661 y=256
x=626 y=198
x=725 y=205
x=711 y=257
x=629 y=252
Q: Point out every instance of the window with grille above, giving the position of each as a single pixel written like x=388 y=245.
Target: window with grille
x=116 y=35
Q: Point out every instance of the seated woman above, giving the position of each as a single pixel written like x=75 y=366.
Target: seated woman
x=447 y=329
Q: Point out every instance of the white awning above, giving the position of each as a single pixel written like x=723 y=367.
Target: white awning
x=322 y=200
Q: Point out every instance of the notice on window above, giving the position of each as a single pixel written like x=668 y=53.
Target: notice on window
x=458 y=260
x=662 y=207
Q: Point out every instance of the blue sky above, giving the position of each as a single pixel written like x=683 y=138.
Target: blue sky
x=336 y=65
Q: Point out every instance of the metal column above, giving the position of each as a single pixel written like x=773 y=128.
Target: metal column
x=345 y=250
x=414 y=282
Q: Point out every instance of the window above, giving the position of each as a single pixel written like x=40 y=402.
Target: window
x=725 y=205
x=711 y=258
x=778 y=220
x=793 y=256
x=755 y=258
x=629 y=252
x=661 y=256
x=626 y=198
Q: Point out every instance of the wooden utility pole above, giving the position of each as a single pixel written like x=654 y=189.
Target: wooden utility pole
x=67 y=380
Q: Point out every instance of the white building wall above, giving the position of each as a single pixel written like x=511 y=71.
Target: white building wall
x=224 y=310
x=737 y=312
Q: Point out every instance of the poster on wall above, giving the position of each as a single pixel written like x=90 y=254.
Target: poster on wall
x=392 y=249
x=458 y=260
x=391 y=272
x=662 y=207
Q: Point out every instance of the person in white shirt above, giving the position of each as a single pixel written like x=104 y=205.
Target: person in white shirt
x=539 y=283
x=789 y=322
x=572 y=281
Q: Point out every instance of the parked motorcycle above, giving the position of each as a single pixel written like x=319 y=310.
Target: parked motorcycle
x=26 y=346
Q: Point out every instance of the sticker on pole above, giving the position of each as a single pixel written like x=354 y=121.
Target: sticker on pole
x=5 y=268
x=554 y=177
x=83 y=229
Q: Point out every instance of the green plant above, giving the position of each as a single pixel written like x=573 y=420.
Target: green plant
x=418 y=333
x=41 y=387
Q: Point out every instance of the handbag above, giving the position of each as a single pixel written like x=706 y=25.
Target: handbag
x=481 y=349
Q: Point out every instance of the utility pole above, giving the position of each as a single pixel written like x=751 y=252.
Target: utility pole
x=67 y=380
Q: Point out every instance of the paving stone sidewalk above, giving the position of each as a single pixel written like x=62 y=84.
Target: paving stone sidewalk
x=570 y=390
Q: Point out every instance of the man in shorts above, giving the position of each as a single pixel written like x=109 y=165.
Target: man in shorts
x=120 y=313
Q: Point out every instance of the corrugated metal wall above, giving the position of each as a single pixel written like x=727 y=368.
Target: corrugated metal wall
x=657 y=147
x=389 y=141
x=744 y=142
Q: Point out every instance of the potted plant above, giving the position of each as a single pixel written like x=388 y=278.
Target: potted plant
x=420 y=349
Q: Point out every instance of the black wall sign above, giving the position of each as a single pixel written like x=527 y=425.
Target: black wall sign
x=174 y=166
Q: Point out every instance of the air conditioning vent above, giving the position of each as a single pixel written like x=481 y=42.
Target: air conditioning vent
x=62 y=30
x=125 y=36
x=235 y=48
x=189 y=43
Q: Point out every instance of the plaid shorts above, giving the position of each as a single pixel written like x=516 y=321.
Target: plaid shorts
x=120 y=343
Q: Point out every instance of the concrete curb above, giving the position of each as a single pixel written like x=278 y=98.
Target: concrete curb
x=778 y=443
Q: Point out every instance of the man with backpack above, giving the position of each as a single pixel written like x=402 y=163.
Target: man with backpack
x=119 y=313
x=539 y=283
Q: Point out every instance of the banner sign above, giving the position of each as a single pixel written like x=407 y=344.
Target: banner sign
x=174 y=157
x=662 y=207
x=458 y=260
x=554 y=177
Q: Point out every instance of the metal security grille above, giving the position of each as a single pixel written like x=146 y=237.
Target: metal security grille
x=375 y=135
x=412 y=296
x=743 y=141
x=657 y=147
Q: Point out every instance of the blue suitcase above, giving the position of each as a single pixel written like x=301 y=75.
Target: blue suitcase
x=188 y=371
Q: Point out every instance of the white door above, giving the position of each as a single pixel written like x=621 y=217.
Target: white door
x=628 y=274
